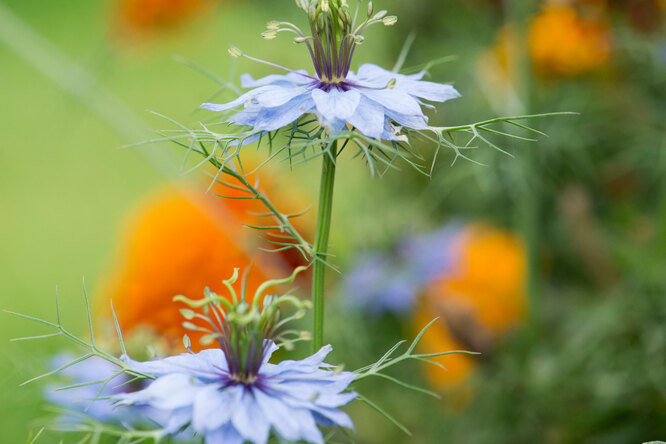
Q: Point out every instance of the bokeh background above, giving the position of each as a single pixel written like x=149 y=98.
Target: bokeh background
x=551 y=262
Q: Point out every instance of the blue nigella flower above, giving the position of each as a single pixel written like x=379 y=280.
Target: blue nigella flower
x=374 y=101
x=378 y=283
x=88 y=398
x=391 y=281
x=203 y=391
x=93 y=398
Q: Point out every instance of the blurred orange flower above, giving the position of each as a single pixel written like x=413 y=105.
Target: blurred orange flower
x=564 y=43
x=177 y=243
x=145 y=15
x=481 y=298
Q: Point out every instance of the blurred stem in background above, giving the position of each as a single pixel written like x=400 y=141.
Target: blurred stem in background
x=529 y=194
x=321 y=243
x=661 y=245
x=75 y=80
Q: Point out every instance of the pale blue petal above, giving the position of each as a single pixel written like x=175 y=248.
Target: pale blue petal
x=369 y=71
x=244 y=98
x=178 y=418
x=333 y=417
x=214 y=406
x=272 y=348
x=249 y=421
x=394 y=100
x=167 y=392
x=224 y=435
x=369 y=118
x=335 y=104
x=392 y=132
x=205 y=364
x=244 y=118
x=418 y=122
x=271 y=119
x=374 y=75
x=309 y=430
x=435 y=92
x=334 y=400
x=307 y=365
x=273 y=96
x=287 y=422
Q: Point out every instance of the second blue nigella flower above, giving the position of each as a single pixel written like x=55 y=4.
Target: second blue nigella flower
x=291 y=397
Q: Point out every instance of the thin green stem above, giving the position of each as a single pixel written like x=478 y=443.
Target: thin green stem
x=321 y=243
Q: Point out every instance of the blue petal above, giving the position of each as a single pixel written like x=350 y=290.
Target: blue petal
x=336 y=104
x=272 y=348
x=369 y=118
x=207 y=364
x=392 y=132
x=178 y=418
x=333 y=418
x=273 y=96
x=213 y=407
x=369 y=74
x=249 y=421
x=168 y=392
x=224 y=435
x=271 y=119
x=307 y=365
x=241 y=100
x=435 y=92
x=394 y=100
x=416 y=121
x=291 y=424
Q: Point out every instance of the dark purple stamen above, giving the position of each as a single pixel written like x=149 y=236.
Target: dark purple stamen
x=343 y=86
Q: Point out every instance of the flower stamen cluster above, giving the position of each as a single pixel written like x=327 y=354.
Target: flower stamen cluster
x=244 y=330
x=335 y=34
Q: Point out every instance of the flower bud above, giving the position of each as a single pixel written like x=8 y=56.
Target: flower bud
x=370 y=9
x=235 y=52
x=273 y=25
x=390 y=20
x=190 y=326
x=324 y=6
x=300 y=39
x=269 y=35
x=187 y=313
x=380 y=15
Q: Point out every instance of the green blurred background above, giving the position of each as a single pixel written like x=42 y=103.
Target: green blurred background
x=589 y=365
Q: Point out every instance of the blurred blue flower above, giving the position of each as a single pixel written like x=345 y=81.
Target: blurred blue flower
x=291 y=397
x=380 y=282
x=375 y=101
x=103 y=379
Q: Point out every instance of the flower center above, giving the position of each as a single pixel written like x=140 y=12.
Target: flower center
x=335 y=34
x=342 y=86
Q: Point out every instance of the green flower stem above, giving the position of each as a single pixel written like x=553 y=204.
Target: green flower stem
x=321 y=244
